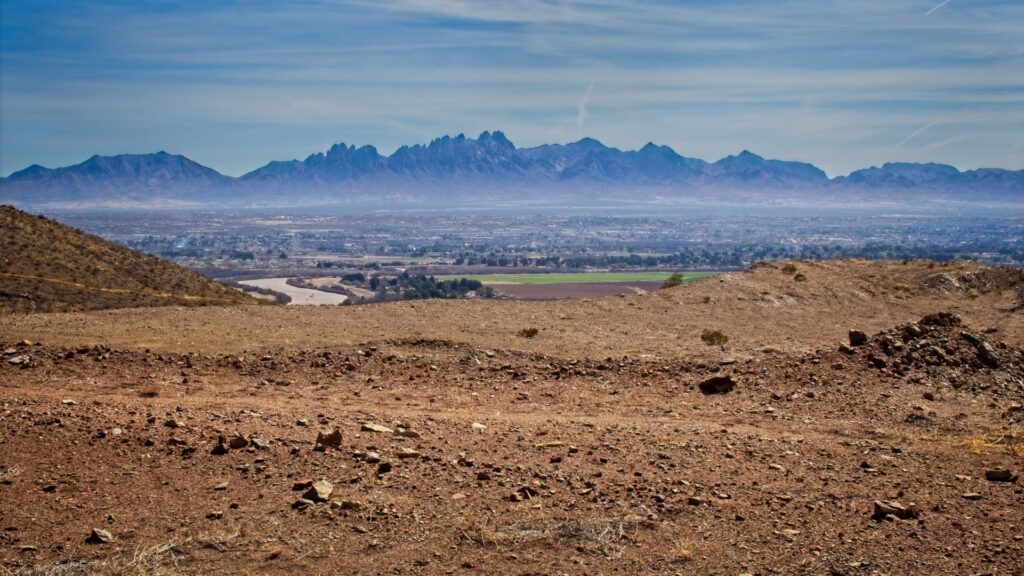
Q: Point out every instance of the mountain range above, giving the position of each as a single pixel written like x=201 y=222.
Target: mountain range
x=491 y=170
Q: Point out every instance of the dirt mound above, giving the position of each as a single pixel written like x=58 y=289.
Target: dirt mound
x=452 y=457
x=46 y=266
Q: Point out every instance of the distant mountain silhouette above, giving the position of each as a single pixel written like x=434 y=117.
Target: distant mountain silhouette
x=491 y=170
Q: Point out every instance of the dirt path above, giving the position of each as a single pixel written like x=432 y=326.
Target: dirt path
x=299 y=296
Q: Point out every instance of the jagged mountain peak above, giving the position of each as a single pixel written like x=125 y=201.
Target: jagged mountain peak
x=458 y=168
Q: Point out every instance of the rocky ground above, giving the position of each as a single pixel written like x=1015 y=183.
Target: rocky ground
x=892 y=451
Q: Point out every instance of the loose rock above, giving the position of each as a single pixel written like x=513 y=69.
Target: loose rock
x=320 y=491
x=99 y=536
x=330 y=439
x=885 y=508
x=1000 y=475
x=717 y=385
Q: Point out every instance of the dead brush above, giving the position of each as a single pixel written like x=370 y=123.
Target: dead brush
x=1010 y=440
x=156 y=560
x=9 y=474
x=606 y=537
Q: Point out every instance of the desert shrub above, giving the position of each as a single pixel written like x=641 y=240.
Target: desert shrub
x=800 y=277
x=789 y=269
x=707 y=300
x=528 y=332
x=714 y=337
x=674 y=280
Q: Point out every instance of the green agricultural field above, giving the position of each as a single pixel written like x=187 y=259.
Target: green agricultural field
x=577 y=277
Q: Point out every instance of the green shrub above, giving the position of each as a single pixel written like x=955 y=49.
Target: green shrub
x=789 y=269
x=800 y=277
x=714 y=337
x=674 y=280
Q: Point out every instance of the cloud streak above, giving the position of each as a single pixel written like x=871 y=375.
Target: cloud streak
x=910 y=137
x=943 y=3
x=581 y=108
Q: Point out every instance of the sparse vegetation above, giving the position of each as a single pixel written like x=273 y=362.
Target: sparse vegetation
x=714 y=337
x=603 y=536
x=674 y=280
x=528 y=332
x=789 y=268
x=156 y=560
x=799 y=277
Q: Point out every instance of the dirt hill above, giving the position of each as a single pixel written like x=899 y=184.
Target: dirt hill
x=46 y=266
x=429 y=438
x=767 y=308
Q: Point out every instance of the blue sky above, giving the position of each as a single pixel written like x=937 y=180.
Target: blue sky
x=235 y=84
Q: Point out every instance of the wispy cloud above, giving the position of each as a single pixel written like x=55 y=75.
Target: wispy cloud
x=581 y=108
x=940 y=5
x=910 y=137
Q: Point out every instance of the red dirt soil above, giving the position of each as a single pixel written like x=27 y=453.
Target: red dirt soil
x=567 y=453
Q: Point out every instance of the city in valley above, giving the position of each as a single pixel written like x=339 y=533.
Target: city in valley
x=369 y=257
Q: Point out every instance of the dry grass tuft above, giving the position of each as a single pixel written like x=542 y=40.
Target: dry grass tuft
x=606 y=537
x=157 y=560
x=1010 y=440
x=9 y=474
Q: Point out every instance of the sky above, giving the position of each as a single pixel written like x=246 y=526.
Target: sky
x=236 y=84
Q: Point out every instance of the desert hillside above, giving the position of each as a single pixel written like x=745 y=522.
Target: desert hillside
x=46 y=266
x=862 y=418
x=768 y=308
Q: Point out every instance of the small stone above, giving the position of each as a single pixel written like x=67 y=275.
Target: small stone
x=857 y=338
x=1000 y=475
x=348 y=505
x=221 y=486
x=68 y=402
x=479 y=427
x=326 y=440
x=718 y=385
x=971 y=496
x=778 y=467
x=372 y=457
x=987 y=355
x=215 y=515
x=406 y=433
x=172 y=423
x=259 y=443
x=99 y=536
x=458 y=496
x=371 y=427
x=220 y=448
x=21 y=360
x=319 y=491
x=928 y=396
x=408 y=453
x=524 y=493
x=885 y=508
x=302 y=484
x=384 y=468
x=302 y=504
x=237 y=442
x=694 y=501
